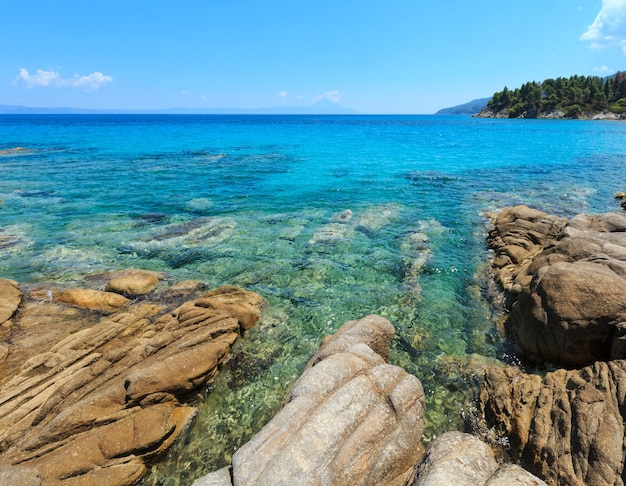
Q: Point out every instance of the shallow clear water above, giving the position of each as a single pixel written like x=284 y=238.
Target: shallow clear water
x=261 y=202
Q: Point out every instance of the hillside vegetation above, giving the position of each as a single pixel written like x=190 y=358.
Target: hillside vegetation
x=573 y=97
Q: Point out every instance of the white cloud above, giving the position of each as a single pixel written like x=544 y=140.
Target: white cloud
x=282 y=95
x=604 y=70
x=333 y=96
x=609 y=27
x=91 y=82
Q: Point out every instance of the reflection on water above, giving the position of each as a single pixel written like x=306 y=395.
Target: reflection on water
x=328 y=221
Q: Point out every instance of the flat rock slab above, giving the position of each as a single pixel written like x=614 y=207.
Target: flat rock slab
x=91 y=407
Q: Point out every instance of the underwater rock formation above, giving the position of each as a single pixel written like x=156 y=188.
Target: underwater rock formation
x=351 y=418
x=86 y=397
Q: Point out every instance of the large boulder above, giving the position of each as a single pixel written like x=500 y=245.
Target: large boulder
x=567 y=427
x=91 y=407
x=351 y=418
x=458 y=458
x=567 y=283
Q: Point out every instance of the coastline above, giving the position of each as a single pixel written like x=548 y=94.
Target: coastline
x=553 y=115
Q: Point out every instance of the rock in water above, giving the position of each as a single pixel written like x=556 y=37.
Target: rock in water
x=134 y=282
x=90 y=408
x=569 y=280
x=351 y=418
x=457 y=458
x=567 y=427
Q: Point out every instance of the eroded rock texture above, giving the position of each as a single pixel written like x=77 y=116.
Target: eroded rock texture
x=351 y=418
x=567 y=427
x=86 y=395
x=568 y=281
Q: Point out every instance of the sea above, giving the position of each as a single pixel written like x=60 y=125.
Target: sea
x=328 y=218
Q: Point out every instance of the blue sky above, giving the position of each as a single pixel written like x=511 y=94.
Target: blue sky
x=383 y=56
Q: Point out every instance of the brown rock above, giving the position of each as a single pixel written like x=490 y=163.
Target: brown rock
x=570 y=312
x=133 y=282
x=10 y=298
x=91 y=407
x=235 y=301
x=567 y=428
x=91 y=299
x=569 y=280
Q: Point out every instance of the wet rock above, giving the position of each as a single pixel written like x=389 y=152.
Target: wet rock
x=567 y=427
x=91 y=299
x=351 y=418
x=342 y=217
x=330 y=234
x=134 y=282
x=457 y=458
x=374 y=219
x=567 y=280
x=91 y=407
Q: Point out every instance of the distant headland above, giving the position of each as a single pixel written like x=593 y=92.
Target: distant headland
x=576 y=97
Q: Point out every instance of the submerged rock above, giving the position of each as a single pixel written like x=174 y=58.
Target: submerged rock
x=351 y=418
x=375 y=218
x=91 y=407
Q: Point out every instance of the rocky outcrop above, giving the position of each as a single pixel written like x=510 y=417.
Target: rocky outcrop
x=87 y=395
x=351 y=418
x=568 y=427
x=458 y=458
x=566 y=280
x=568 y=283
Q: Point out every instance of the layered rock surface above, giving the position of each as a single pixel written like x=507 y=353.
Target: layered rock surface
x=351 y=418
x=86 y=395
x=567 y=427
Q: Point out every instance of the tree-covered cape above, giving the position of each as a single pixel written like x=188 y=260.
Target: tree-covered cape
x=574 y=97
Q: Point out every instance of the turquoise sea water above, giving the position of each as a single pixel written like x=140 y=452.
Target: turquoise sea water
x=329 y=218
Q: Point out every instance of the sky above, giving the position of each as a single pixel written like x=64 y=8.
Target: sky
x=374 y=56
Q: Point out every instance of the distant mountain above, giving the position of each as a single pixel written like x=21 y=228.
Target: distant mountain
x=323 y=107
x=470 y=108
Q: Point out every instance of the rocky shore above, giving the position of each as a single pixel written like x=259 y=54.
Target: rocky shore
x=94 y=381
x=566 y=287
x=551 y=115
